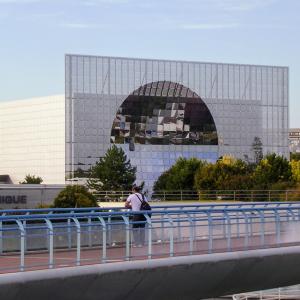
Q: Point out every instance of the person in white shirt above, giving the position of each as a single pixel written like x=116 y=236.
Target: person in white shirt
x=134 y=202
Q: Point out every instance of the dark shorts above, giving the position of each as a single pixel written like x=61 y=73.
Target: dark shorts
x=139 y=218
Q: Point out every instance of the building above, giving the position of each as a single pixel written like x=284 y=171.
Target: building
x=294 y=140
x=32 y=139
x=28 y=195
x=160 y=110
x=156 y=110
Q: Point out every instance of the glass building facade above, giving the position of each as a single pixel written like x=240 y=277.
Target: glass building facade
x=163 y=113
x=160 y=110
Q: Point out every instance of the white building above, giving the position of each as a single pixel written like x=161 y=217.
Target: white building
x=32 y=139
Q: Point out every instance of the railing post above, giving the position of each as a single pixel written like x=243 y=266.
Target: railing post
x=224 y=225
x=1 y=234
x=251 y=225
x=69 y=229
x=25 y=225
x=210 y=233
x=269 y=196
x=246 y=243
x=104 y=246
x=171 y=235
x=179 y=227
x=228 y=221
x=262 y=228
x=286 y=196
x=277 y=226
x=51 y=246
x=127 y=230
x=149 y=223
x=22 y=241
x=233 y=195
x=181 y=195
x=90 y=230
x=237 y=216
x=78 y=242
x=191 y=231
x=109 y=229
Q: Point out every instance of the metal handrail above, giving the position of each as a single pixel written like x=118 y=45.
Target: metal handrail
x=267 y=195
x=171 y=210
x=155 y=207
x=234 y=228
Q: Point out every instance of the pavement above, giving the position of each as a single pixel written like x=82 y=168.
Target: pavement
x=39 y=260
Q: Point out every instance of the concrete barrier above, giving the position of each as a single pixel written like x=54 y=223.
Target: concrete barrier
x=189 y=277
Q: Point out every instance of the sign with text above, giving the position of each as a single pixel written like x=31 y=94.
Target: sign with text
x=13 y=199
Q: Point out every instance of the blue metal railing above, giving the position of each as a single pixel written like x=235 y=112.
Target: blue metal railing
x=40 y=240
x=159 y=207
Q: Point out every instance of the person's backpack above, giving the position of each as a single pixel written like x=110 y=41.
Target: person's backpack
x=144 y=204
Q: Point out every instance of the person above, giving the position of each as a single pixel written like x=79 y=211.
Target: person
x=134 y=202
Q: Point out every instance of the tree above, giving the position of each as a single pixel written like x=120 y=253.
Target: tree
x=205 y=178
x=113 y=172
x=75 y=196
x=31 y=179
x=80 y=173
x=295 y=166
x=272 y=169
x=295 y=156
x=180 y=176
x=257 y=148
x=227 y=159
x=225 y=174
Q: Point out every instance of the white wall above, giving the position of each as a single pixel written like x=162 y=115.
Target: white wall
x=32 y=139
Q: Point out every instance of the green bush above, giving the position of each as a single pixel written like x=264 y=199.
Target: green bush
x=271 y=170
x=75 y=196
x=295 y=165
x=224 y=175
x=32 y=179
x=180 y=176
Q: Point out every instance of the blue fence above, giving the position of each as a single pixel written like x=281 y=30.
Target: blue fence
x=33 y=239
x=207 y=205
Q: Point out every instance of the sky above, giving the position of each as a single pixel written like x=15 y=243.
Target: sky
x=36 y=34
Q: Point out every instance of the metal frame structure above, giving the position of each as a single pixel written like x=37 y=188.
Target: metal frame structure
x=285 y=293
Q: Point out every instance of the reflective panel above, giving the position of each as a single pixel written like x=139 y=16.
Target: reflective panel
x=164 y=113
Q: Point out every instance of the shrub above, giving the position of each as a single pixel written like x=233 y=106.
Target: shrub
x=272 y=169
x=180 y=176
x=32 y=179
x=75 y=196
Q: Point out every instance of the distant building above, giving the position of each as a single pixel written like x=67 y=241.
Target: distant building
x=32 y=139
x=294 y=140
x=160 y=110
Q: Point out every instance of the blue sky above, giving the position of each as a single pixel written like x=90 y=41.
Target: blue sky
x=35 y=35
